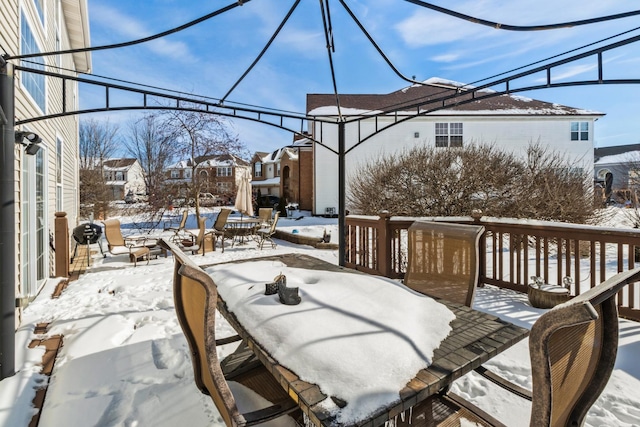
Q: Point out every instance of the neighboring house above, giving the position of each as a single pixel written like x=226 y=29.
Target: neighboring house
x=215 y=174
x=508 y=122
x=619 y=160
x=623 y=163
x=286 y=172
x=47 y=181
x=123 y=176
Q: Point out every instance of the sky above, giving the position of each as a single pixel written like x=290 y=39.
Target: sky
x=209 y=58
x=124 y=355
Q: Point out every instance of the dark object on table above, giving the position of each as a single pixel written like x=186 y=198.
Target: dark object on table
x=273 y=287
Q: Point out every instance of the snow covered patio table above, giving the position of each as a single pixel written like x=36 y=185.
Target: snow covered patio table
x=358 y=349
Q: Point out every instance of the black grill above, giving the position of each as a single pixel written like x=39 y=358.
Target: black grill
x=86 y=234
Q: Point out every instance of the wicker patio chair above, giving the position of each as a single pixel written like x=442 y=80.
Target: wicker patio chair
x=265 y=234
x=573 y=350
x=195 y=296
x=443 y=260
x=219 y=228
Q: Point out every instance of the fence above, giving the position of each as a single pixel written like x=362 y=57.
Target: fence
x=511 y=251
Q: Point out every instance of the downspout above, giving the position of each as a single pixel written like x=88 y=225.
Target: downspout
x=7 y=224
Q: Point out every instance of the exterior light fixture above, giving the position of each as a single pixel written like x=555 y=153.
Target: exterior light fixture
x=32 y=141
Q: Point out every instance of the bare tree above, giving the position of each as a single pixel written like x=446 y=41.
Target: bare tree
x=199 y=135
x=151 y=143
x=97 y=143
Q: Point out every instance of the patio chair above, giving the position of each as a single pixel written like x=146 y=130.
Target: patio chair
x=573 y=350
x=219 y=228
x=180 y=228
x=119 y=245
x=266 y=233
x=443 y=260
x=195 y=296
x=197 y=243
x=264 y=215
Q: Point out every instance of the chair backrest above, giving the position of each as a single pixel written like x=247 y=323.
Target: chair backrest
x=201 y=230
x=274 y=223
x=112 y=233
x=195 y=297
x=221 y=219
x=264 y=215
x=443 y=260
x=183 y=221
x=573 y=349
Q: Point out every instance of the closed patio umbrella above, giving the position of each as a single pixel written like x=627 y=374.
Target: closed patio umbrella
x=243 y=202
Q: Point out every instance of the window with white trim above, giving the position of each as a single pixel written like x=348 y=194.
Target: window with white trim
x=449 y=134
x=257 y=170
x=187 y=173
x=579 y=131
x=33 y=83
x=223 y=187
x=40 y=8
x=59 y=205
x=224 y=171
x=175 y=173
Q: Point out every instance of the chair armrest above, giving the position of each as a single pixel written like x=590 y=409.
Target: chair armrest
x=269 y=413
x=228 y=340
x=504 y=383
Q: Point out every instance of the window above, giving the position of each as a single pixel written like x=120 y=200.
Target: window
x=40 y=8
x=187 y=173
x=224 y=171
x=120 y=176
x=33 y=83
x=59 y=205
x=448 y=134
x=175 y=174
x=257 y=170
x=278 y=169
x=579 y=131
x=223 y=187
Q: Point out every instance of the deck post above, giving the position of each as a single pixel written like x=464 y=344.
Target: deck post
x=342 y=211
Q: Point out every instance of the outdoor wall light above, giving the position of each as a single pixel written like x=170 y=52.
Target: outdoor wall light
x=32 y=139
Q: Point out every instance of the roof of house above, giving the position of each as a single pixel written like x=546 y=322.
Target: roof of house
x=601 y=152
x=119 y=163
x=435 y=88
x=211 y=161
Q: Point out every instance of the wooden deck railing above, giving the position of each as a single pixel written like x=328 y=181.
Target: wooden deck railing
x=511 y=251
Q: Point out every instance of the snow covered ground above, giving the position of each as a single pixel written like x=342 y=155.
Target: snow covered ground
x=125 y=361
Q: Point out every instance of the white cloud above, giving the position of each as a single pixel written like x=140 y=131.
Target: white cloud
x=446 y=57
x=130 y=28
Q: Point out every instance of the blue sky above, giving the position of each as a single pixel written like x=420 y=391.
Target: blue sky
x=209 y=58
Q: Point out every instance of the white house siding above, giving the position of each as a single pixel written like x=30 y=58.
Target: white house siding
x=506 y=132
x=66 y=16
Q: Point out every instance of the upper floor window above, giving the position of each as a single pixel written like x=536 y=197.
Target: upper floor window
x=33 y=83
x=448 y=134
x=224 y=171
x=175 y=173
x=40 y=8
x=579 y=131
x=257 y=170
x=187 y=173
x=120 y=176
x=278 y=169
